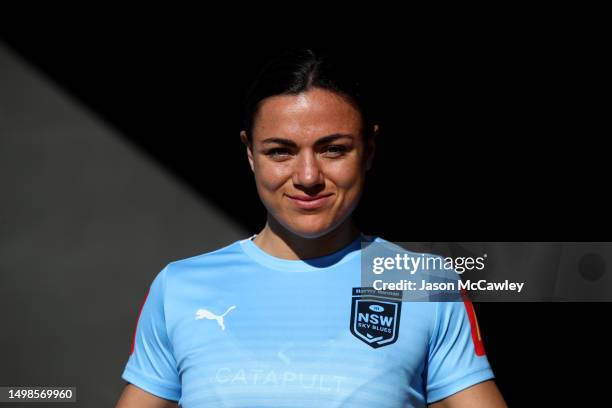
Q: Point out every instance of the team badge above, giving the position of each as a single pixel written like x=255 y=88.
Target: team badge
x=375 y=316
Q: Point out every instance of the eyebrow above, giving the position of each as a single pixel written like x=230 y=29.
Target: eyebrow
x=321 y=141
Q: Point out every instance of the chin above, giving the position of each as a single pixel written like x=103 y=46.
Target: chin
x=311 y=229
x=310 y=234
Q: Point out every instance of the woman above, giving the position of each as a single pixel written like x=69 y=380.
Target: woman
x=269 y=320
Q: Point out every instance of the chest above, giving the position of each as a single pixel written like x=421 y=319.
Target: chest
x=293 y=340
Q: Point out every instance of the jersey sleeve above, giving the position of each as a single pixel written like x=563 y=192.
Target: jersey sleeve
x=457 y=358
x=151 y=365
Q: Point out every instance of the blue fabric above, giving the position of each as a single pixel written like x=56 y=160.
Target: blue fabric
x=238 y=327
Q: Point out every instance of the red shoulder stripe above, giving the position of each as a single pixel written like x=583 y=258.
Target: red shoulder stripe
x=136 y=328
x=476 y=337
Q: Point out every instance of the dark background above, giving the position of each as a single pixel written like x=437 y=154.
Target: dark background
x=486 y=136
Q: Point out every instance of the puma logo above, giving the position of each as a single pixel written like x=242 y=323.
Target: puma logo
x=207 y=314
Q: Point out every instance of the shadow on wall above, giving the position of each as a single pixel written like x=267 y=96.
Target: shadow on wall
x=87 y=222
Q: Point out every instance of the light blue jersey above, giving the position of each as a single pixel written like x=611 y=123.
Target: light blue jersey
x=238 y=327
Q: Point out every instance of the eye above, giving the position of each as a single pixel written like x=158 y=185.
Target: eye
x=335 y=150
x=278 y=153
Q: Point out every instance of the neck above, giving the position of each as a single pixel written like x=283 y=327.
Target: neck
x=282 y=243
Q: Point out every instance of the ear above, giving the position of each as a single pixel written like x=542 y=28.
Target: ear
x=249 y=147
x=371 y=147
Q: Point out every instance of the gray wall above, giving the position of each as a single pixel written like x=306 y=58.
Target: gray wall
x=86 y=221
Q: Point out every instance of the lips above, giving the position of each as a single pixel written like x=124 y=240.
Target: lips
x=309 y=202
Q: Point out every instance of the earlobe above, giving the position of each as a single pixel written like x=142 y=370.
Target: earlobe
x=244 y=138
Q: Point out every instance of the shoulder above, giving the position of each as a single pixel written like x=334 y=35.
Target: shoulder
x=225 y=250
x=217 y=257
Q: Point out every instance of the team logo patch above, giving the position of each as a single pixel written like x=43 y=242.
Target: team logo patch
x=375 y=316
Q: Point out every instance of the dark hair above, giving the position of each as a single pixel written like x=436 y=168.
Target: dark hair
x=297 y=71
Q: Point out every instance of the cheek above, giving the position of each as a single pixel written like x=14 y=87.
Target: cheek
x=271 y=176
x=346 y=177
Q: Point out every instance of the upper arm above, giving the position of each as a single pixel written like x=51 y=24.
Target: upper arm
x=134 y=397
x=482 y=395
x=456 y=358
x=152 y=366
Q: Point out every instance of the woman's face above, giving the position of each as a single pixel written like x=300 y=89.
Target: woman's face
x=309 y=158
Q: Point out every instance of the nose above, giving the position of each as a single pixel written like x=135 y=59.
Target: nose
x=307 y=171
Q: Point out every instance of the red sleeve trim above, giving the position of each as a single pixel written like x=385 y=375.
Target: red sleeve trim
x=136 y=327
x=476 y=337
